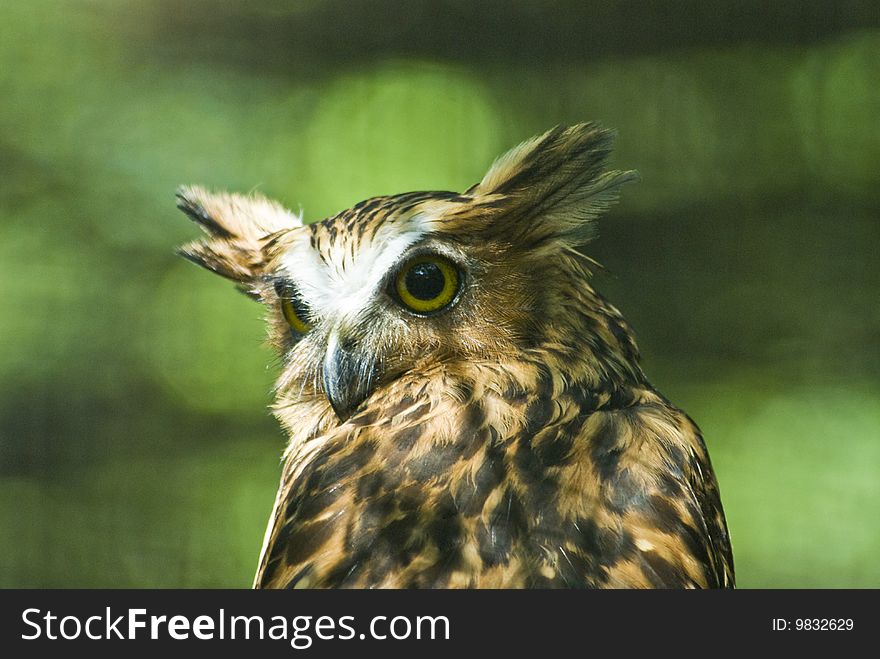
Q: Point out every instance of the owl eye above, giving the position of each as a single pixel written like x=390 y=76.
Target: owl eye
x=294 y=310
x=427 y=284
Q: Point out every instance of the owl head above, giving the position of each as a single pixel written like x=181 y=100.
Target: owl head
x=415 y=282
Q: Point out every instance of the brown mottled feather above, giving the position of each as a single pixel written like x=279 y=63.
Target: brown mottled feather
x=575 y=487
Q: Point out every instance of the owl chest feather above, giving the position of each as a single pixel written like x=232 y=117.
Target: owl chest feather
x=501 y=487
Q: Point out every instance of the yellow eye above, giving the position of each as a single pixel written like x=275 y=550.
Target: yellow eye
x=427 y=284
x=295 y=314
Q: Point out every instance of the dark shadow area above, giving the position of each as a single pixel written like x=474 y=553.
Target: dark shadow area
x=318 y=38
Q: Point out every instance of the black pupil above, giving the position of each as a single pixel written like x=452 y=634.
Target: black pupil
x=425 y=281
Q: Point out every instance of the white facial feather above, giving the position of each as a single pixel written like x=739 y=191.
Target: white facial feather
x=339 y=286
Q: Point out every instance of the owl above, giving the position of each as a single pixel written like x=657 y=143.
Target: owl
x=464 y=410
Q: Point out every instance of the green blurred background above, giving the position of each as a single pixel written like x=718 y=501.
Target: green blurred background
x=135 y=445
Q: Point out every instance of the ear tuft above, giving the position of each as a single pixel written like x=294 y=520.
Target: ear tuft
x=237 y=227
x=554 y=184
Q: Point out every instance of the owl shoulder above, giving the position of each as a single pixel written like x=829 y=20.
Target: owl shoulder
x=654 y=487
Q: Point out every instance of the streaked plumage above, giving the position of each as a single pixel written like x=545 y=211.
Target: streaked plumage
x=509 y=439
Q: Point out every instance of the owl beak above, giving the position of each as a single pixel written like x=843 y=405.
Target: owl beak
x=348 y=378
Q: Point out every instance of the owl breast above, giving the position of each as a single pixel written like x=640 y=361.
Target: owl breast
x=461 y=484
